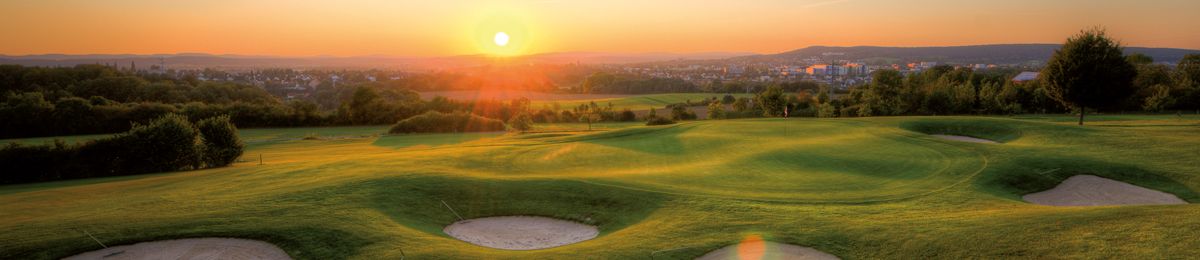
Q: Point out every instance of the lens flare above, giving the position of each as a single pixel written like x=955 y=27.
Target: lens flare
x=751 y=247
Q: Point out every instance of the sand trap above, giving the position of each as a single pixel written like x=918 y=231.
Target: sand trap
x=759 y=249
x=191 y=248
x=520 y=232
x=965 y=139
x=1089 y=190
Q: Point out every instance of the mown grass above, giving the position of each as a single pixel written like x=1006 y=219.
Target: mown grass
x=864 y=188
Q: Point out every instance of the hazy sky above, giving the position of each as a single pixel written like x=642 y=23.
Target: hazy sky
x=436 y=28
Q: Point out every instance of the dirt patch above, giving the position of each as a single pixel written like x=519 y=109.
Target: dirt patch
x=964 y=139
x=760 y=249
x=191 y=248
x=520 y=232
x=1090 y=190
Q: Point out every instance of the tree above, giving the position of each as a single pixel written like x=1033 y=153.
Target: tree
x=681 y=112
x=771 y=101
x=362 y=105
x=823 y=96
x=826 y=110
x=1188 y=76
x=882 y=97
x=728 y=99
x=521 y=122
x=1089 y=71
x=741 y=105
x=221 y=142
x=716 y=110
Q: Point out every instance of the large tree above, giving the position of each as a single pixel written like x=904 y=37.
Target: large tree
x=1089 y=71
x=1188 y=71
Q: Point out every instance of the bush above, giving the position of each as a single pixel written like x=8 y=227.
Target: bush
x=627 y=116
x=222 y=146
x=168 y=143
x=660 y=121
x=454 y=122
x=681 y=112
x=521 y=122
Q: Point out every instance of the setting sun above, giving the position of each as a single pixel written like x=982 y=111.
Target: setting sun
x=501 y=39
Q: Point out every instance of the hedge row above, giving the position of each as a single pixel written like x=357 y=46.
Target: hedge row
x=169 y=143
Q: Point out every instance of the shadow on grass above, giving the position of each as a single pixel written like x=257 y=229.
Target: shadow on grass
x=1027 y=174
x=416 y=202
x=999 y=131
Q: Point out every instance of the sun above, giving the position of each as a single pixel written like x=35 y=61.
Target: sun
x=502 y=36
x=501 y=39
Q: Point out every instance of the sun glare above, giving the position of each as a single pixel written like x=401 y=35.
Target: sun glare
x=502 y=35
x=501 y=39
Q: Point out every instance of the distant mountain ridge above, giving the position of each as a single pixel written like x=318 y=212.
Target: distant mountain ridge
x=203 y=60
x=986 y=54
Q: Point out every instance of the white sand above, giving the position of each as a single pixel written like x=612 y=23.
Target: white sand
x=1089 y=190
x=520 y=232
x=965 y=139
x=759 y=249
x=191 y=248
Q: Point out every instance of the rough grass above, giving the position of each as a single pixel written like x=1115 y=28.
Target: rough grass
x=856 y=188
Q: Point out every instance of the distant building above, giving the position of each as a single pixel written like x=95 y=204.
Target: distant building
x=1025 y=77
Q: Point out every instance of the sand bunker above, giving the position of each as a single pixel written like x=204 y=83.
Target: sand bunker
x=191 y=248
x=760 y=249
x=965 y=139
x=1089 y=190
x=520 y=232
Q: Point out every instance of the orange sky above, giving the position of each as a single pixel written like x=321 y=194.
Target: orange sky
x=437 y=28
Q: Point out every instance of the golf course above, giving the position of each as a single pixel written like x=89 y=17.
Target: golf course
x=850 y=188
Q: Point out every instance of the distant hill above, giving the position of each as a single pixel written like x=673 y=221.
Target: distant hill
x=988 y=54
x=202 y=60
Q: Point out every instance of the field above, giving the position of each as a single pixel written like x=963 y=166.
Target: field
x=857 y=188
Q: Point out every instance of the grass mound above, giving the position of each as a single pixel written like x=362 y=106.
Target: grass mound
x=994 y=130
x=438 y=122
x=607 y=208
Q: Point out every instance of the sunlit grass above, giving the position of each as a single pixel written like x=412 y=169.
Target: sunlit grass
x=855 y=188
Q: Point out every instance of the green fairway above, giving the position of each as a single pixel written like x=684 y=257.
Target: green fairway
x=857 y=188
x=638 y=102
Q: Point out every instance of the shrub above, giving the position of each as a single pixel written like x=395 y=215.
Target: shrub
x=627 y=116
x=681 y=112
x=660 y=121
x=222 y=146
x=521 y=122
x=168 y=143
x=438 y=122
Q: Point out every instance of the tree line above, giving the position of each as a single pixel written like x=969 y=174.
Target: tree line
x=1089 y=73
x=95 y=99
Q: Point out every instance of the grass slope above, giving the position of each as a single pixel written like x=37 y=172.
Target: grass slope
x=856 y=188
